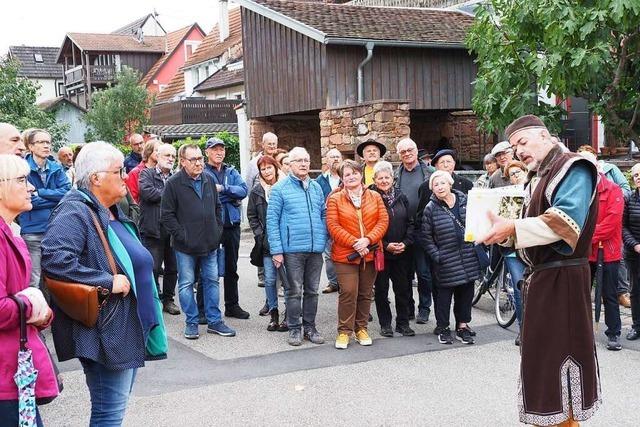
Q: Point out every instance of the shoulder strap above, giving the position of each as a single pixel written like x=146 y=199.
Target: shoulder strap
x=23 y=321
x=105 y=244
x=453 y=217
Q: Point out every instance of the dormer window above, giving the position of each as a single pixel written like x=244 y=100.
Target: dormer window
x=38 y=57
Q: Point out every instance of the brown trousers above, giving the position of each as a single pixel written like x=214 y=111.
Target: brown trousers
x=354 y=301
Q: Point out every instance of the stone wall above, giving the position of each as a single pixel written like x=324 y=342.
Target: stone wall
x=344 y=128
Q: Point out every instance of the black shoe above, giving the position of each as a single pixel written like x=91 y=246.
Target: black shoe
x=264 y=310
x=405 y=330
x=438 y=330
x=464 y=336
x=274 y=323
x=445 y=336
x=423 y=317
x=517 y=342
x=202 y=320
x=261 y=284
x=633 y=334
x=283 y=326
x=471 y=331
x=170 y=307
x=236 y=312
x=386 y=331
x=613 y=343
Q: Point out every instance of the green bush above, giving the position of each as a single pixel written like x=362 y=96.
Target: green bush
x=231 y=142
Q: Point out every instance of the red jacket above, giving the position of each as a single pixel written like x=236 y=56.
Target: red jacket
x=609 y=226
x=133 y=183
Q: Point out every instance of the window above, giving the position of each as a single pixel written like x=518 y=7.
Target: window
x=190 y=47
x=38 y=57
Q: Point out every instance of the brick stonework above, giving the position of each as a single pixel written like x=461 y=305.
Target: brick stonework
x=344 y=128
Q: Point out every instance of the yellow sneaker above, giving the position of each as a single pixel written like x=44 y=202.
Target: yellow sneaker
x=342 y=341
x=362 y=336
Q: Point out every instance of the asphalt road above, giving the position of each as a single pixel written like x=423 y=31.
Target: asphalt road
x=257 y=379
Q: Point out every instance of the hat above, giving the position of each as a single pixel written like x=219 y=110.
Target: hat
x=501 y=147
x=212 y=142
x=525 y=122
x=441 y=153
x=423 y=153
x=381 y=147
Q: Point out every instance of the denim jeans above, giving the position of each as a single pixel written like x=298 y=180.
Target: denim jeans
x=270 y=283
x=515 y=267
x=330 y=269
x=301 y=293
x=210 y=286
x=109 y=391
x=34 y=241
x=422 y=267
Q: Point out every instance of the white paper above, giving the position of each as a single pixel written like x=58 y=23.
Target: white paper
x=504 y=201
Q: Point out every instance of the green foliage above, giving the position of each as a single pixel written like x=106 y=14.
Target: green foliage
x=18 y=104
x=119 y=110
x=589 y=49
x=231 y=142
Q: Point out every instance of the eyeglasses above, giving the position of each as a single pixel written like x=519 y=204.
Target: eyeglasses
x=122 y=172
x=515 y=172
x=20 y=179
x=42 y=142
x=195 y=160
x=301 y=161
x=408 y=151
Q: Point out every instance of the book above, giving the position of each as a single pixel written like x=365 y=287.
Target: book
x=506 y=202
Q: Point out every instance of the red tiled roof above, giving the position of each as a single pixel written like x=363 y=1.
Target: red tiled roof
x=175 y=87
x=376 y=23
x=173 y=40
x=221 y=79
x=117 y=43
x=211 y=47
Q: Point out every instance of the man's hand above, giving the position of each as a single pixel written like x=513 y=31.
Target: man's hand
x=501 y=230
x=277 y=260
x=636 y=248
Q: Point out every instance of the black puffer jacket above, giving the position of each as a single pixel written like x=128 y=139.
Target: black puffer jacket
x=400 y=222
x=631 y=223
x=257 y=216
x=454 y=260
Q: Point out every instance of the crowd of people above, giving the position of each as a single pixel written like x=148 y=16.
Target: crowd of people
x=143 y=217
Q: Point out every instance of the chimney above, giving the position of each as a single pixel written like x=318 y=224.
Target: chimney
x=223 y=19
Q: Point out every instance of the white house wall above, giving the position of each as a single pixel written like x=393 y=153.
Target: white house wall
x=48 y=89
x=226 y=93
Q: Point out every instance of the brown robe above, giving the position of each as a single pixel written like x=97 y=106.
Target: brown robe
x=559 y=375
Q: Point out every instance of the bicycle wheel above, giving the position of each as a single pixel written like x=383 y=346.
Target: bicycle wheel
x=479 y=288
x=505 y=307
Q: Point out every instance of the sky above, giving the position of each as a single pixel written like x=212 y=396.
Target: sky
x=45 y=22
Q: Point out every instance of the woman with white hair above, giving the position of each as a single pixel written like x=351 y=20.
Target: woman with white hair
x=129 y=327
x=15 y=270
x=631 y=239
x=397 y=261
x=455 y=263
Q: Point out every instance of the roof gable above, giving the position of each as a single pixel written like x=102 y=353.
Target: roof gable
x=344 y=24
x=221 y=79
x=132 y=27
x=115 y=43
x=30 y=68
x=211 y=46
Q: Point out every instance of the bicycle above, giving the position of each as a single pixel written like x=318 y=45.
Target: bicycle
x=497 y=282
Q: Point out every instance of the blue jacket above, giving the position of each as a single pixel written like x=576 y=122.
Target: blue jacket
x=324 y=184
x=131 y=161
x=235 y=189
x=118 y=340
x=46 y=196
x=613 y=173
x=296 y=217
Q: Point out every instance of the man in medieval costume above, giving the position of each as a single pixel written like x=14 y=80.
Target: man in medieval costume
x=559 y=379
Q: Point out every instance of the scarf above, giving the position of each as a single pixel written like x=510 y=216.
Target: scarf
x=389 y=197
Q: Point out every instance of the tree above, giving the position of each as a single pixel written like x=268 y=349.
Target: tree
x=18 y=103
x=231 y=143
x=121 y=109
x=583 y=48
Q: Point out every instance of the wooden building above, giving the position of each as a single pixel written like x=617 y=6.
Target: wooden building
x=333 y=75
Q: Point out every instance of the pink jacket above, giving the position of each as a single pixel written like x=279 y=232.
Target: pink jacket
x=15 y=269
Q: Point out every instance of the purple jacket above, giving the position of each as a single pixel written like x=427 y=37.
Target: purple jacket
x=15 y=268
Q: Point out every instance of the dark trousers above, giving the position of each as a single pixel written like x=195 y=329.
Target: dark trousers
x=230 y=241
x=396 y=270
x=462 y=297
x=420 y=266
x=9 y=416
x=163 y=253
x=633 y=264
x=609 y=296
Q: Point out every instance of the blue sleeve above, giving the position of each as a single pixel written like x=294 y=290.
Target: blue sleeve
x=618 y=177
x=62 y=185
x=235 y=187
x=274 y=216
x=573 y=197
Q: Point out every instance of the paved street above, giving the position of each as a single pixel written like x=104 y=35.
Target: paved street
x=257 y=379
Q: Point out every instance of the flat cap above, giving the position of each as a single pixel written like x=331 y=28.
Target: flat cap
x=501 y=147
x=522 y=123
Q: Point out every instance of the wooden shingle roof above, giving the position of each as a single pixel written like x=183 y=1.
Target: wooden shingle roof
x=341 y=23
x=117 y=43
x=30 y=68
x=221 y=79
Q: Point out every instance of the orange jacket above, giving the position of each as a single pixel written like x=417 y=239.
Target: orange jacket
x=343 y=223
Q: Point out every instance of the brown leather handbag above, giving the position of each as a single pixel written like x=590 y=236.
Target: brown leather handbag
x=78 y=301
